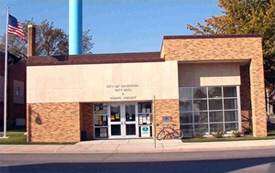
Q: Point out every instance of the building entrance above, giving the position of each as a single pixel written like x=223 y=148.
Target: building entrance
x=123 y=120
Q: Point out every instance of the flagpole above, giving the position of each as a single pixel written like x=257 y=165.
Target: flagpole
x=6 y=77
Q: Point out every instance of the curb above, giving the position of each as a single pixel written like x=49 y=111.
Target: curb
x=157 y=150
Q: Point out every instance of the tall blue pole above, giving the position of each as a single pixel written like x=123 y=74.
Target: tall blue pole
x=75 y=27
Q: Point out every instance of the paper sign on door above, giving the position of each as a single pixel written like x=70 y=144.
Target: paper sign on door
x=112 y=117
x=117 y=116
x=144 y=118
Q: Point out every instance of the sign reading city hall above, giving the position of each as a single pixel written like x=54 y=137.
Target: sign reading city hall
x=123 y=92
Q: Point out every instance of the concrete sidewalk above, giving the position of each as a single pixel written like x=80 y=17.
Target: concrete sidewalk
x=137 y=146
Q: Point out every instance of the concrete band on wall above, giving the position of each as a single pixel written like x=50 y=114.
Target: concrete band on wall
x=102 y=82
x=209 y=74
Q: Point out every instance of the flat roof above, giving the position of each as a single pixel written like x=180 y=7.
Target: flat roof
x=95 y=58
x=210 y=36
x=119 y=57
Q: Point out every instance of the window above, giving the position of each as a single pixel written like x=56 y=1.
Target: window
x=17 y=92
x=205 y=110
x=100 y=120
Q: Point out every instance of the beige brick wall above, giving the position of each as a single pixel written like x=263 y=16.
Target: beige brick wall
x=53 y=122
x=86 y=114
x=166 y=108
x=258 y=102
x=205 y=49
x=226 y=49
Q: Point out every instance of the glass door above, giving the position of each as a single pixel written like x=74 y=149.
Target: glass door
x=116 y=122
x=130 y=120
x=123 y=121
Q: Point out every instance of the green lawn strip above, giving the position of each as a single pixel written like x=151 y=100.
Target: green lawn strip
x=13 y=138
x=226 y=139
x=18 y=138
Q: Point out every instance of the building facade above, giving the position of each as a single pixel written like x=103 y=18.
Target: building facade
x=200 y=84
x=16 y=93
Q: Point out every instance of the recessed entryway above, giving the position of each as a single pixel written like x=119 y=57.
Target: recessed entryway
x=123 y=120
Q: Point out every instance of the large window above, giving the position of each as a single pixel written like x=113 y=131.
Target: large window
x=204 y=110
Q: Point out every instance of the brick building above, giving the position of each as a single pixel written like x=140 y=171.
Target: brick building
x=16 y=98
x=202 y=84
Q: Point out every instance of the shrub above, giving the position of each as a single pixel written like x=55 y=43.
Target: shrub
x=237 y=134
x=218 y=134
x=198 y=135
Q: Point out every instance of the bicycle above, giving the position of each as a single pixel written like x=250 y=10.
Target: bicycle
x=169 y=133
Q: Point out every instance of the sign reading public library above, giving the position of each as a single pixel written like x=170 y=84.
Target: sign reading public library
x=123 y=92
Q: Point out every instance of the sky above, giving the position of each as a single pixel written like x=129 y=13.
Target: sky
x=118 y=26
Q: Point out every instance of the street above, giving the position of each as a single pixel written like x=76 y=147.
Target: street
x=206 y=161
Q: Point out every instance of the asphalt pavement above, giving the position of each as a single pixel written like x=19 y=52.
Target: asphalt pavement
x=234 y=161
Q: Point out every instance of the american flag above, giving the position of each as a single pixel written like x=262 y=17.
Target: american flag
x=15 y=28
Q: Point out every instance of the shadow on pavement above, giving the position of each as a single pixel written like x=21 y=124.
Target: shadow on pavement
x=145 y=167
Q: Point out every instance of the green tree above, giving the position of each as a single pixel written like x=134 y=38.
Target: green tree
x=246 y=17
x=49 y=40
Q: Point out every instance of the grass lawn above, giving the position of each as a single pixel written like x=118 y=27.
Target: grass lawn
x=14 y=137
x=246 y=138
x=18 y=137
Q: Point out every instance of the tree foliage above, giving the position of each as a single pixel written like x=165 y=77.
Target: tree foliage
x=246 y=17
x=49 y=40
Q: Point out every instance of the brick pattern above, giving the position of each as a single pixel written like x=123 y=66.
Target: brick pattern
x=86 y=114
x=248 y=49
x=53 y=122
x=211 y=49
x=246 y=116
x=166 y=108
x=258 y=102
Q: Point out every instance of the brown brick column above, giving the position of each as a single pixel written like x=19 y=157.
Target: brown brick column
x=87 y=125
x=246 y=118
x=167 y=108
x=31 y=40
x=28 y=123
x=258 y=102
